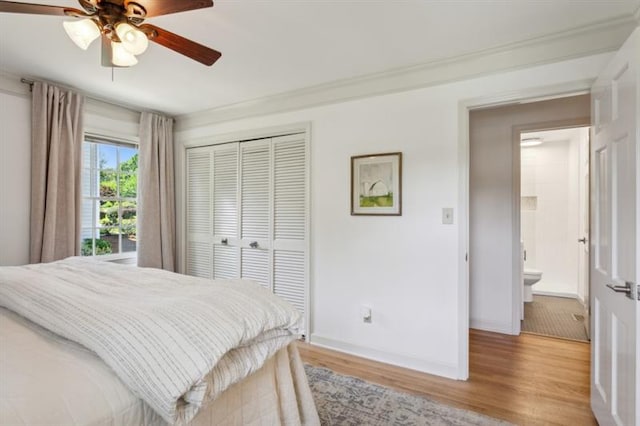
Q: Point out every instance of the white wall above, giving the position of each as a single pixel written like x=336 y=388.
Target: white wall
x=405 y=268
x=15 y=178
x=15 y=158
x=549 y=172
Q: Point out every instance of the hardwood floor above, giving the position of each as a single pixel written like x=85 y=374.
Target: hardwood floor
x=526 y=379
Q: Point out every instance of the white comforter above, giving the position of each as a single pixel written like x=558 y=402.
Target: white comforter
x=175 y=341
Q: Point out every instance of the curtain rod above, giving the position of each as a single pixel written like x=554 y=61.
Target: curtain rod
x=130 y=108
x=29 y=82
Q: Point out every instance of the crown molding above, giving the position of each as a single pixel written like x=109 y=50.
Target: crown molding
x=11 y=85
x=599 y=37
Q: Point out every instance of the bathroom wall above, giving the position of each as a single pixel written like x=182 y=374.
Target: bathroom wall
x=550 y=210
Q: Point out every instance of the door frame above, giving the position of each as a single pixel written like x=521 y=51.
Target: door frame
x=465 y=106
x=538 y=126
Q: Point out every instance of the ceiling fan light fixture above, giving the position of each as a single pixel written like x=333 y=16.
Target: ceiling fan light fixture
x=99 y=19
x=133 y=40
x=120 y=56
x=82 y=32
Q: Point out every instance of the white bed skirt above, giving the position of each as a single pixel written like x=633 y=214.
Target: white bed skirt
x=47 y=380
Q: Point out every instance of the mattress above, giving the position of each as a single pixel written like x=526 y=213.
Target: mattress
x=48 y=380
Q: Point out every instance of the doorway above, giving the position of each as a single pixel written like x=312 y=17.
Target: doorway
x=554 y=232
x=496 y=287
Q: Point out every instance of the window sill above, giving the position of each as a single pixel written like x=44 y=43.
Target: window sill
x=116 y=257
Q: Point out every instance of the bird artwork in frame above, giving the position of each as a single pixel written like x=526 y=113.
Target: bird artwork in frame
x=376 y=184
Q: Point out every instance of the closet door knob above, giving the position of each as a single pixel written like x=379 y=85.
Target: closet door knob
x=253 y=244
x=583 y=240
x=224 y=241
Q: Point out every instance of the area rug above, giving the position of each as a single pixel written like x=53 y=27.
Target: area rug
x=343 y=400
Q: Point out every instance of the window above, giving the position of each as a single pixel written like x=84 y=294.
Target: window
x=109 y=192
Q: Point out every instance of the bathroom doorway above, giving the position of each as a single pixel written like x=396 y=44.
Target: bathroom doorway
x=554 y=231
x=495 y=258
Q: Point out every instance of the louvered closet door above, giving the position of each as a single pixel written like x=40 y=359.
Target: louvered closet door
x=290 y=228
x=212 y=212
x=255 y=211
x=226 y=251
x=247 y=214
x=199 y=253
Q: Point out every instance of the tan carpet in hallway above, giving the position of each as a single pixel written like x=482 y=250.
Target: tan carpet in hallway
x=554 y=316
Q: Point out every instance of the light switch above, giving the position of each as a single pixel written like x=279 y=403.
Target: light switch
x=447 y=216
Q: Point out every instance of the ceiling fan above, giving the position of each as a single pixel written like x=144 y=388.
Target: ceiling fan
x=120 y=24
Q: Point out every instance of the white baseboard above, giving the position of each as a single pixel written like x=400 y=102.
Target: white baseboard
x=493 y=326
x=582 y=301
x=432 y=367
x=556 y=294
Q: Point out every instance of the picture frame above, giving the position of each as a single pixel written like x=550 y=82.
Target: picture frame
x=376 y=184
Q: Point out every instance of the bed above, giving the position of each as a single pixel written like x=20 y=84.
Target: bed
x=82 y=345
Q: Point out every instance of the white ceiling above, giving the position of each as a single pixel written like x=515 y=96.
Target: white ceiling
x=276 y=46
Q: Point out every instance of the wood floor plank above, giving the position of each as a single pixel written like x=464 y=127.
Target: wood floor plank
x=526 y=379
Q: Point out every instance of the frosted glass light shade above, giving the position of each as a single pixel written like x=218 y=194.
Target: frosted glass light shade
x=120 y=57
x=134 y=40
x=82 y=32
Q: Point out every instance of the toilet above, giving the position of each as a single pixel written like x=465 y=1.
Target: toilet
x=530 y=277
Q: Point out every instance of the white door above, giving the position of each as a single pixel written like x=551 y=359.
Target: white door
x=212 y=211
x=290 y=220
x=583 y=226
x=199 y=251
x=224 y=208
x=255 y=211
x=614 y=238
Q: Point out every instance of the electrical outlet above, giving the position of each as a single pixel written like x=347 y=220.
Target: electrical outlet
x=447 y=216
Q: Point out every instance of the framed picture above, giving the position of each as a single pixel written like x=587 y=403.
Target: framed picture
x=376 y=184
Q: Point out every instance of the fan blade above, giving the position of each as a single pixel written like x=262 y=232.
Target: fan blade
x=91 y=6
x=38 y=9
x=165 y=7
x=184 y=46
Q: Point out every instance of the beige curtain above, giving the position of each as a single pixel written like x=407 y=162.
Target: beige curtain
x=56 y=147
x=156 y=197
